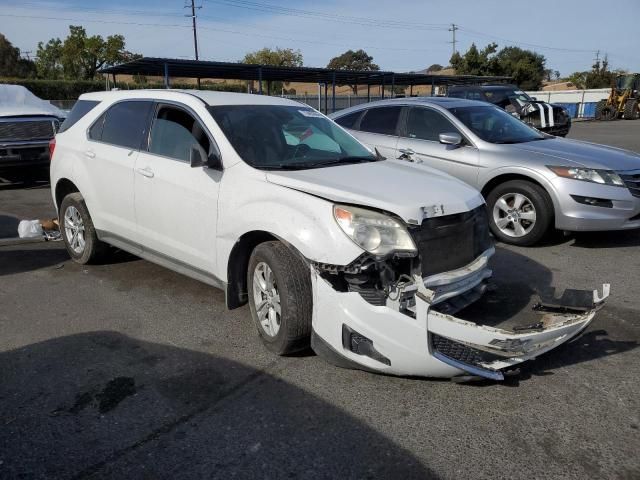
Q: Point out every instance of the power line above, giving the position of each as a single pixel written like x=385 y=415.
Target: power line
x=310 y=14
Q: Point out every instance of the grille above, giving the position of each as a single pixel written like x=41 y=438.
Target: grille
x=453 y=241
x=460 y=352
x=632 y=181
x=27 y=130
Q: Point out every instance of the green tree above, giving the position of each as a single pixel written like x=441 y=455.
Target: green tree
x=11 y=65
x=280 y=57
x=436 y=67
x=598 y=77
x=80 y=56
x=354 y=61
x=525 y=66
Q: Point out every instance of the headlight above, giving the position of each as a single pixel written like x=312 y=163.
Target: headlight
x=605 y=177
x=375 y=232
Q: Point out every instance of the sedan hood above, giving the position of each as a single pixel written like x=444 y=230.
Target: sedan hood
x=559 y=151
x=394 y=186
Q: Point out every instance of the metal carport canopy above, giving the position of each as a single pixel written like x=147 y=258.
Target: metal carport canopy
x=168 y=67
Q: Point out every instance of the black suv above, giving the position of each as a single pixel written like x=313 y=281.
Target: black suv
x=546 y=117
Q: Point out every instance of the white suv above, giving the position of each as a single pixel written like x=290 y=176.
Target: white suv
x=330 y=244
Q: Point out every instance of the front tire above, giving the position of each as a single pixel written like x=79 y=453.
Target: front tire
x=520 y=212
x=631 y=110
x=78 y=232
x=280 y=298
x=605 y=112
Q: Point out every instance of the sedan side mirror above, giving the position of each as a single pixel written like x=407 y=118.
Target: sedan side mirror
x=450 y=139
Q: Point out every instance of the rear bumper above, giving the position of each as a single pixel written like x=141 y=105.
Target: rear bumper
x=24 y=154
x=434 y=344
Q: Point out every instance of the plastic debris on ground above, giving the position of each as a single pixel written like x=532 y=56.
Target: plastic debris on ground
x=49 y=230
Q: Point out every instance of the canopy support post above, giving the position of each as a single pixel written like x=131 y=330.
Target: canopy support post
x=166 y=76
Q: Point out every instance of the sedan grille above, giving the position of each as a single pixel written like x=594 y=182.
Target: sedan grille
x=453 y=241
x=632 y=181
x=27 y=130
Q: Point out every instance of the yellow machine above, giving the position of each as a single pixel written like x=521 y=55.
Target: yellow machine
x=623 y=101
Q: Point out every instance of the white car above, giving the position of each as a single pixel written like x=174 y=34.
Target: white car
x=331 y=245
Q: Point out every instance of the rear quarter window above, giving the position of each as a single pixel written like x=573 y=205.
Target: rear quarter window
x=79 y=110
x=349 y=121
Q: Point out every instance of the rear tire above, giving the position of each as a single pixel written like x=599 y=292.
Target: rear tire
x=605 y=112
x=631 y=111
x=78 y=232
x=280 y=298
x=520 y=212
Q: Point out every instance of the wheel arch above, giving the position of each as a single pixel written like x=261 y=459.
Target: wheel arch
x=236 y=294
x=63 y=188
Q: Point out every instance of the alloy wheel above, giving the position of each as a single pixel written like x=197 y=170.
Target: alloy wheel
x=74 y=229
x=514 y=214
x=266 y=299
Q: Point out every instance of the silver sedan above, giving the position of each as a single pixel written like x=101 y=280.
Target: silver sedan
x=531 y=181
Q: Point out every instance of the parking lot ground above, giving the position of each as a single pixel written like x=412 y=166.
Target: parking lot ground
x=128 y=370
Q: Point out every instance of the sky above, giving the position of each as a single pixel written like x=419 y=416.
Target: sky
x=401 y=35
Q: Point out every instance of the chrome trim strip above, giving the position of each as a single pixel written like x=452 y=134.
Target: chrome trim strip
x=161 y=259
x=481 y=372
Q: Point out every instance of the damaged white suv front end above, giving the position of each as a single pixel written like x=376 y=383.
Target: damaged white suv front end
x=392 y=309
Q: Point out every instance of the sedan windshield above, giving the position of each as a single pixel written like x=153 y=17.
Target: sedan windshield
x=494 y=125
x=283 y=137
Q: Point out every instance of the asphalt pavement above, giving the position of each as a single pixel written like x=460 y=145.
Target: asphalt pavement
x=128 y=370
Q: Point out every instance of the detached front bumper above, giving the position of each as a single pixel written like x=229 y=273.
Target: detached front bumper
x=350 y=332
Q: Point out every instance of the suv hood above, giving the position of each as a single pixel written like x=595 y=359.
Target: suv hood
x=591 y=155
x=390 y=185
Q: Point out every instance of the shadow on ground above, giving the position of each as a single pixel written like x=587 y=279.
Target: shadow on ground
x=105 y=405
x=27 y=178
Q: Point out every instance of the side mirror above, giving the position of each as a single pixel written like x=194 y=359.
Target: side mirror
x=199 y=158
x=450 y=138
x=535 y=99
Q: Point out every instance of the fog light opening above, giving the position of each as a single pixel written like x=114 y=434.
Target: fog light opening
x=361 y=345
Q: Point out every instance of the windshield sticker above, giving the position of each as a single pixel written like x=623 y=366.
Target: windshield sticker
x=311 y=113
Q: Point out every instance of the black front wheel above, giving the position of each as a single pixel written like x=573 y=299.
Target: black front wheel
x=520 y=212
x=280 y=298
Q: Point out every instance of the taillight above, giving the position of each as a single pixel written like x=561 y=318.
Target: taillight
x=52 y=147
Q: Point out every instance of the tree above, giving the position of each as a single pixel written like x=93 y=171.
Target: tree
x=355 y=61
x=280 y=57
x=80 y=56
x=525 y=66
x=598 y=77
x=11 y=65
x=436 y=67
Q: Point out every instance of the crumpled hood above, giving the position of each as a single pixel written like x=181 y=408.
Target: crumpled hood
x=560 y=151
x=17 y=100
x=395 y=186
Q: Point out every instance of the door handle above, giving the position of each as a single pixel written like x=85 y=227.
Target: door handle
x=145 y=172
x=406 y=154
x=90 y=154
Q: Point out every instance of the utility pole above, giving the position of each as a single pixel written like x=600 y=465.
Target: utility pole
x=195 y=29
x=453 y=29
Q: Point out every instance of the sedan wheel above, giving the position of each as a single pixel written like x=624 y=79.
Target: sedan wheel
x=514 y=214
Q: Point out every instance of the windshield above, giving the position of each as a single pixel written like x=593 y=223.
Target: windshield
x=625 y=81
x=492 y=124
x=272 y=137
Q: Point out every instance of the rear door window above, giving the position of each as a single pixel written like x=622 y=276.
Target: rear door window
x=383 y=120
x=126 y=123
x=175 y=132
x=427 y=124
x=79 y=110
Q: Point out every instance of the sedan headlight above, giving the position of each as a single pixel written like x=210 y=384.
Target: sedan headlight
x=374 y=232
x=605 y=177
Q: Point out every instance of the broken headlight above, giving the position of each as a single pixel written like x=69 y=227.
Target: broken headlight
x=374 y=232
x=605 y=177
